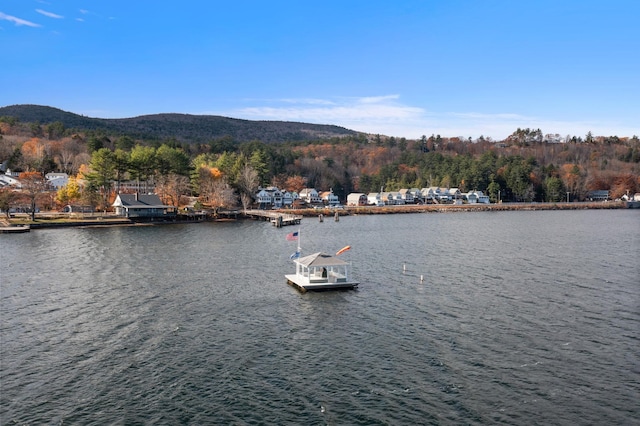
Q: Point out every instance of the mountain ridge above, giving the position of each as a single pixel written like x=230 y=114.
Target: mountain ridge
x=184 y=127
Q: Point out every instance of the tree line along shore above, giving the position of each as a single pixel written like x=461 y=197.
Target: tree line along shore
x=225 y=173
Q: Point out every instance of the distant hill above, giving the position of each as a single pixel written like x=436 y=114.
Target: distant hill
x=183 y=127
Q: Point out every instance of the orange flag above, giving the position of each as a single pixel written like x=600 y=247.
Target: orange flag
x=343 y=249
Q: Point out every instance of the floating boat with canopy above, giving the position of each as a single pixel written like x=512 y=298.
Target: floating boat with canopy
x=319 y=271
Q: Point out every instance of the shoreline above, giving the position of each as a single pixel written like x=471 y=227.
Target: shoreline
x=449 y=208
x=44 y=223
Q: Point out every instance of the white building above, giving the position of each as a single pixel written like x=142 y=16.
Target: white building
x=478 y=197
x=417 y=195
x=7 y=180
x=310 y=196
x=375 y=199
x=407 y=196
x=329 y=198
x=57 y=180
x=357 y=199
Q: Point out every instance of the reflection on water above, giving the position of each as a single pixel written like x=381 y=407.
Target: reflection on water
x=519 y=315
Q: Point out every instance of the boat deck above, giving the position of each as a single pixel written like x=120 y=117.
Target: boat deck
x=304 y=284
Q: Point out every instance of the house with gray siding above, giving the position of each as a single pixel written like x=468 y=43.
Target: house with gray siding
x=142 y=206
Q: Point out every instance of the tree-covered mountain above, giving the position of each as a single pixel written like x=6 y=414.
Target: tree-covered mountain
x=182 y=127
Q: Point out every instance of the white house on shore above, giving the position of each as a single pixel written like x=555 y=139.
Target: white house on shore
x=417 y=195
x=407 y=196
x=357 y=199
x=57 y=180
x=431 y=193
x=310 y=196
x=453 y=193
x=375 y=199
x=392 y=198
x=477 y=197
x=272 y=197
x=329 y=198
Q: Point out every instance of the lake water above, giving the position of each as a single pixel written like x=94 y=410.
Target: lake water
x=519 y=318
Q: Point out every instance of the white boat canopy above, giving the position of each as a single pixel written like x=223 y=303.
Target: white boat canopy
x=320 y=260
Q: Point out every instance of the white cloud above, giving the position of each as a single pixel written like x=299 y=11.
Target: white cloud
x=49 y=14
x=388 y=116
x=354 y=113
x=17 y=21
x=378 y=99
x=311 y=101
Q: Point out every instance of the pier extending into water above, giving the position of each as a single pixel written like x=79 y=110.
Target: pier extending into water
x=278 y=219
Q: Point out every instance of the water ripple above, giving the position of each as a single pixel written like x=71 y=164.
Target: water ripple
x=479 y=318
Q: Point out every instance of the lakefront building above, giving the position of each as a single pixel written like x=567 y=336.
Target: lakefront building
x=142 y=206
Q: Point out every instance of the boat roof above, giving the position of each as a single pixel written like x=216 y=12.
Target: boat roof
x=321 y=259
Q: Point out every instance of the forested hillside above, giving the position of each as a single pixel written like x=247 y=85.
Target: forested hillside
x=181 y=127
x=526 y=166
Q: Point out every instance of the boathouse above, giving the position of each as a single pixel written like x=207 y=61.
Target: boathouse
x=142 y=206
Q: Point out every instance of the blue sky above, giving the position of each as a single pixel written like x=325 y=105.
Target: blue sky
x=402 y=68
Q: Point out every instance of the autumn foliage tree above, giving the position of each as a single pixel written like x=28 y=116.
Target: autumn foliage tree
x=172 y=187
x=7 y=197
x=69 y=193
x=625 y=184
x=33 y=184
x=205 y=182
x=222 y=197
x=527 y=165
x=35 y=156
x=215 y=190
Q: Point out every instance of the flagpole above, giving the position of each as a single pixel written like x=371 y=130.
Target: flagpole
x=295 y=236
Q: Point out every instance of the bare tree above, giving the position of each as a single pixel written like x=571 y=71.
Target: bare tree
x=206 y=183
x=248 y=180
x=222 y=196
x=33 y=184
x=246 y=201
x=172 y=187
x=247 y=185
x=68 y=149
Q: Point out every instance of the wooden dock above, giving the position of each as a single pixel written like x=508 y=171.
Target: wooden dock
x=15 y=229
x=276 y=218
